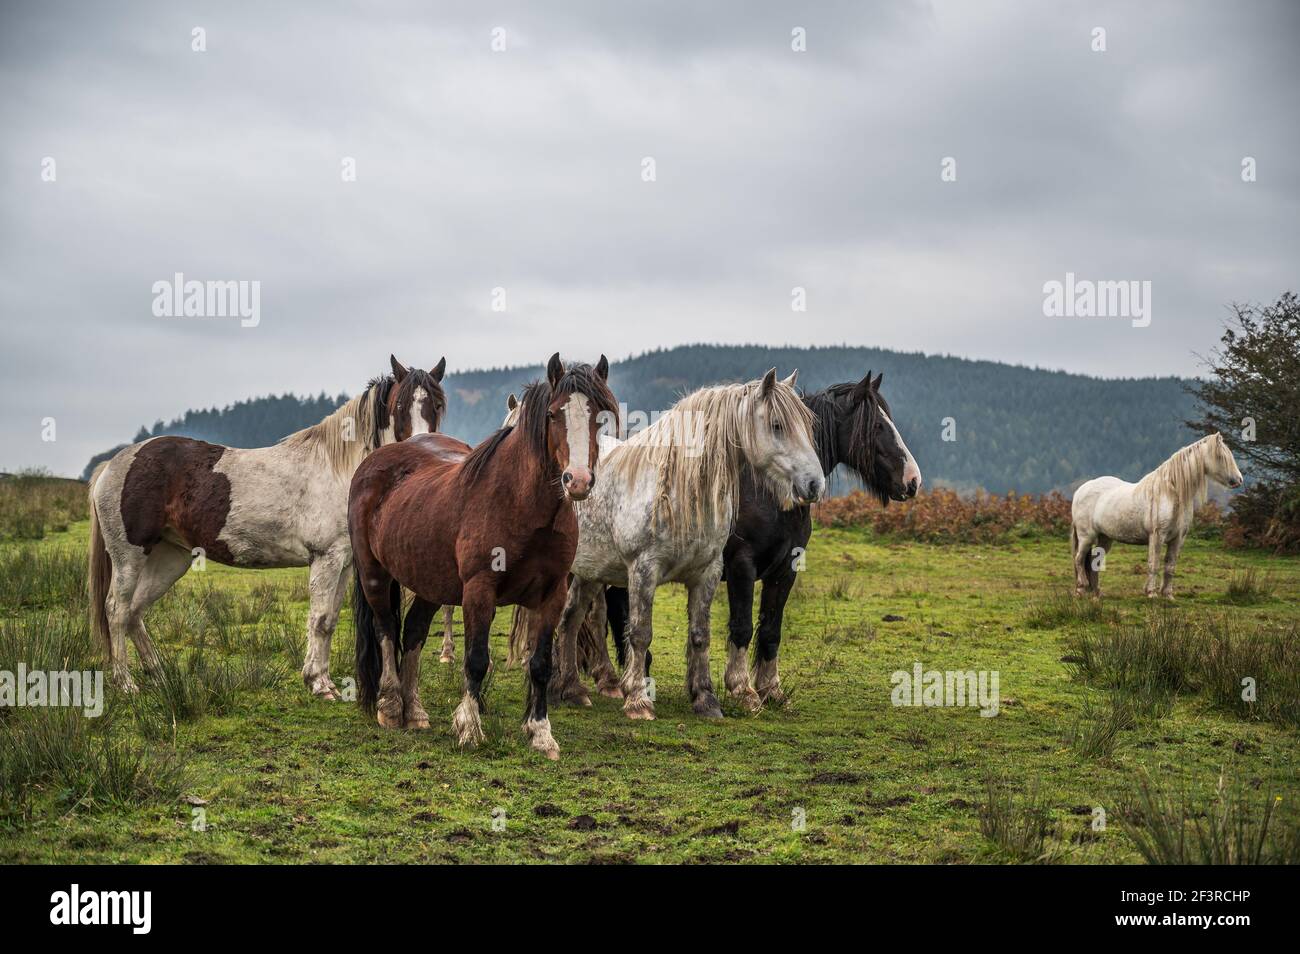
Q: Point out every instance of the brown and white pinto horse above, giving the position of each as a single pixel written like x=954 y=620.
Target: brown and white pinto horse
x=480 y=529
x=159 y=506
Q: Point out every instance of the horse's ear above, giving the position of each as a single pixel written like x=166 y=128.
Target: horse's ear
x=399 y=372
x=769 y=382
x=554 y=370
x=602 y=368
x=875 y=385
x=439 y=369
x=861 y=390
x=512 y=402
x=794 y=376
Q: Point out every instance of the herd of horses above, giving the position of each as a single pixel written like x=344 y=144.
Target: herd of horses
x=553 y=514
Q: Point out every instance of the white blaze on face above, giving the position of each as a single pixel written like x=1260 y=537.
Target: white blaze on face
x=579 y=434
x=418 y=424
x=910 y=470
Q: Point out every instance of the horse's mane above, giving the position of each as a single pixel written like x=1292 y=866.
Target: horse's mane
x=860 y=457
x=1182 y=477
x=701 y=488
x=342 y=444
x=531 y=415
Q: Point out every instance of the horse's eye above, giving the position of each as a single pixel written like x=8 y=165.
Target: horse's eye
x=776 y=426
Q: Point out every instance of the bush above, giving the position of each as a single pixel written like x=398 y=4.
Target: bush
x=33 y=503
x=1265 y=516
x=944 y=516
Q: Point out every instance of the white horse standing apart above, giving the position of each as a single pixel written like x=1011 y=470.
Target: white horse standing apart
x=1157 y=509
x=662 y=510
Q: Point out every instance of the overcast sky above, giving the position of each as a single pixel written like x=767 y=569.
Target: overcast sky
x=522 y=169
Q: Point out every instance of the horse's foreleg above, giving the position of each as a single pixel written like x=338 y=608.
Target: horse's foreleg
x=1171 y=560
x=415 y=630
x=699 y=681
x=537 y=723
x=740 y=631
x=326 y=586
x=641 y=582
x=448 y=654
x=566 y=686
x=478 y=607
x=771 y=613
x=1153 y=562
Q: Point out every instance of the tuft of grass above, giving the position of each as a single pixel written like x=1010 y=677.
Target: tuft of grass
x=1097 y=729
x=1248 y=587
x=1017 y=829
x=47 y=641
x=1252 y=672
x=43 y=577
x=84 y=763
x=1231 y=827
x=1061 y=611
x=192 y=685
x=843 y=587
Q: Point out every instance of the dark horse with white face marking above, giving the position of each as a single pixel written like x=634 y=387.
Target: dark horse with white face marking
x=480 y=529
x=853 y=427
x=157 y=506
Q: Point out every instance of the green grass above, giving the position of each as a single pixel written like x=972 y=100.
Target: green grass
x=287 y=778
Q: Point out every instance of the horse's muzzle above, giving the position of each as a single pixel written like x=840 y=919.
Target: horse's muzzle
x=578 y=482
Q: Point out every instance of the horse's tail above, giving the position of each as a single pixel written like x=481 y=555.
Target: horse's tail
x=616 y=611
x=99 y=572
x=370 y=656
x=519 y=649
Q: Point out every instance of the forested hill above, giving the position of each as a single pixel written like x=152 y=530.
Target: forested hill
x=1016 y=428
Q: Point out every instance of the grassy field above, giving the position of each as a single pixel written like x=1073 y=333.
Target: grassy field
x=281 y=777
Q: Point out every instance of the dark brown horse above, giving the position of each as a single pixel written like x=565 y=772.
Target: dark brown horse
x=479 y=529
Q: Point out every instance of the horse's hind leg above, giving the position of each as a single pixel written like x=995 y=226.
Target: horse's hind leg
x=740 y=631
x=1081 y=551
x=448 y=654
x=326 y=586
x=128 y=564
x=165 y=565
x=771 y=613
x=566 y=686
x=594 y=649
x=699 y=681
x=478 y=606
x=415 y=630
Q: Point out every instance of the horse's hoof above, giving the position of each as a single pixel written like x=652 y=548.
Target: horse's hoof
x=749 y=699
x=706 y=707
x=125 y=684
x=772 y=694
x=417 y=723
x=388 y=721
x=540 y=738
x=571 y=694
x=639 y=709
x=447 y=658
